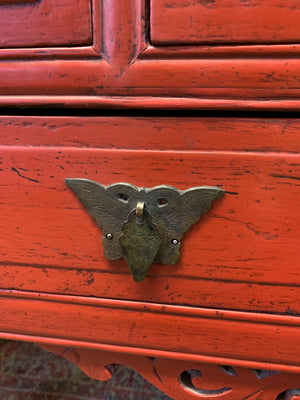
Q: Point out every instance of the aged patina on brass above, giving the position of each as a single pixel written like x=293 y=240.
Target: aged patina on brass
x=143 y=226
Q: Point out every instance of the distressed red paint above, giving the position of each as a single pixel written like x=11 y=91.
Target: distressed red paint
x=233 y=299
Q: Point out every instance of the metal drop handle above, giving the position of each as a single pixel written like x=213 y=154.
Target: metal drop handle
x=143 y=226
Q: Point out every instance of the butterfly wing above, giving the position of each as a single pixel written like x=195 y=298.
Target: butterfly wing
x=174 y=212
x=194 y=203
x=108 y=207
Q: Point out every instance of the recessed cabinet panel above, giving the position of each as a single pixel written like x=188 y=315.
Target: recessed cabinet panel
x=150 y=54
x=33 y=23
x=227 y=21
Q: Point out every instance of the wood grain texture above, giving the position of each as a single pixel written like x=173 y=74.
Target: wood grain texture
x=133 y=73
x=202 y=335
x=230 y=21
x=45 y=23
x=262 y=135
x=253 y=79
x=233 y=258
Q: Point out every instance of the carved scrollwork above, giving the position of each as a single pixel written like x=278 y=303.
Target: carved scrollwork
x=184 y=380
x=292 y=394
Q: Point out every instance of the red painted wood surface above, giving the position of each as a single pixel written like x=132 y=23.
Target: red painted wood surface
x=10 y=2
x=243 y=255
x=189 y=380
x=45 y=23
x=121 y=62
x=233 y=258
x=221 y=337
x=229 y=21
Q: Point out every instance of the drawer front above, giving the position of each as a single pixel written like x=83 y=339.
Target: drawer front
x=243 y=254
x=33 y=23
x=228 y=21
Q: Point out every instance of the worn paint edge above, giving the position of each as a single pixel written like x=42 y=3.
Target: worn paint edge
x=192 y=311
x=138 y=102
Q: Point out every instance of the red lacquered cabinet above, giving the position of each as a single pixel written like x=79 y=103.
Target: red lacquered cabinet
x=154 y=92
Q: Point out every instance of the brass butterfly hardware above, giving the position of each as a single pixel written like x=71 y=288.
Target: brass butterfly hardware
x=143 y=226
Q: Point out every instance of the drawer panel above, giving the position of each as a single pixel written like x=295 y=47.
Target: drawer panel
x=32 y=23
x=233 y=258
x=229 y=21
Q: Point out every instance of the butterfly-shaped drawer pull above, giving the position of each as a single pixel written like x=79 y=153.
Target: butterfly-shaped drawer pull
x=143 y=226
